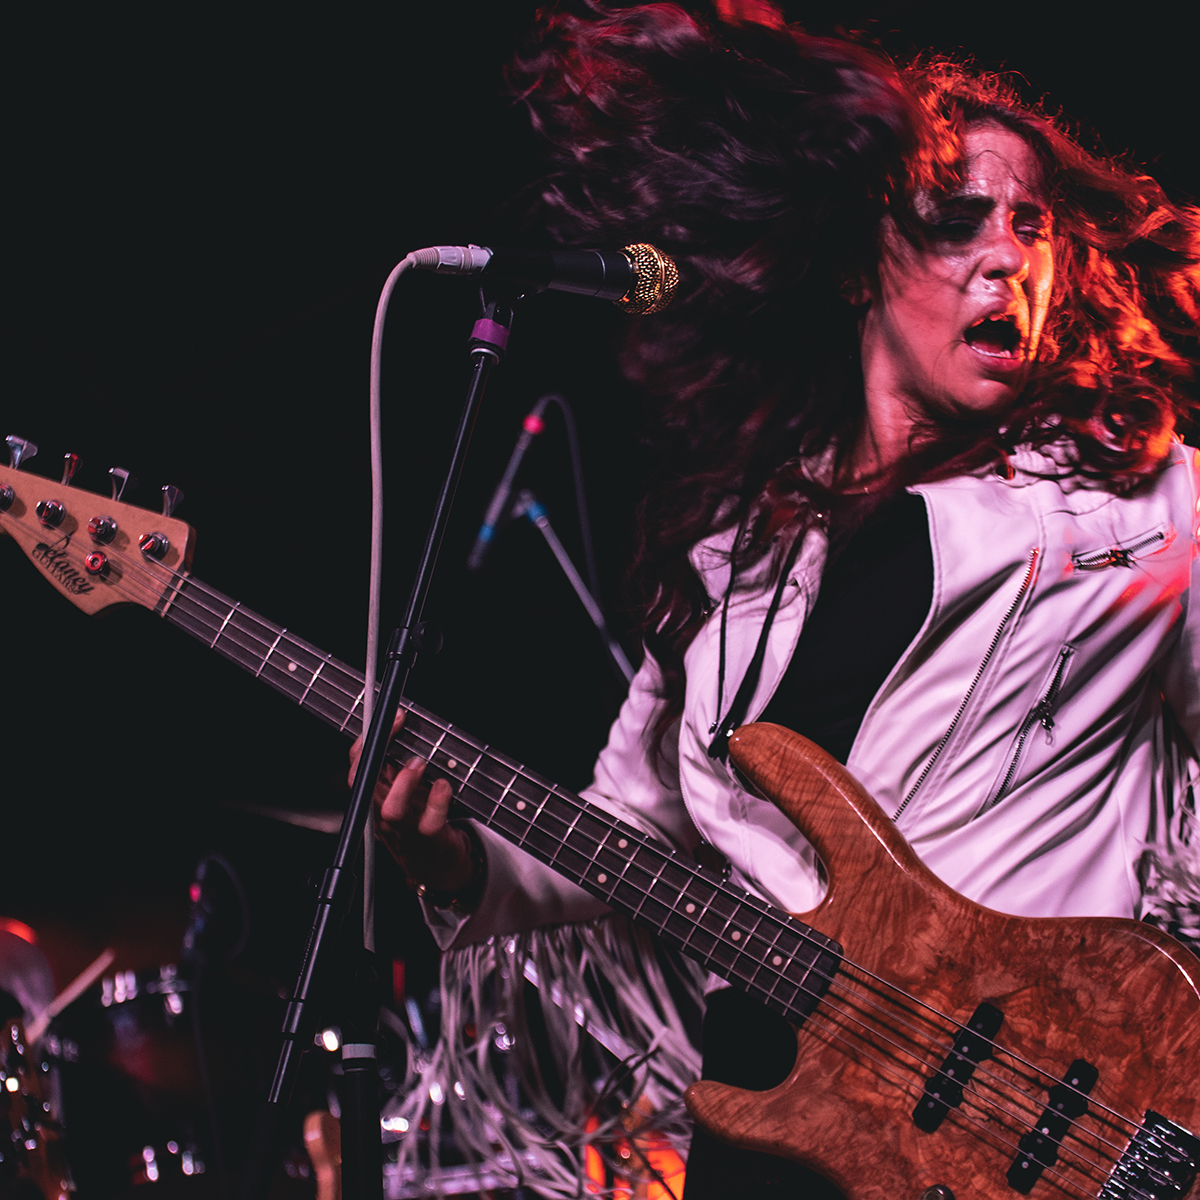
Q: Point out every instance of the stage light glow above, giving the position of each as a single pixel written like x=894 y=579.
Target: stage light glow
x=18 y=929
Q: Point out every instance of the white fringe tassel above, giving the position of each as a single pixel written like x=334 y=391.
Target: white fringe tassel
x=603 y=982
x=1171 y=882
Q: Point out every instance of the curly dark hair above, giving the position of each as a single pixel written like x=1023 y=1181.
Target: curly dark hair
x=764 y=161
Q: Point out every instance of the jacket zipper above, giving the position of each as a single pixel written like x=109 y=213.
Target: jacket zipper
x=1041 y=714
x=987 y=658
x=1115 y=556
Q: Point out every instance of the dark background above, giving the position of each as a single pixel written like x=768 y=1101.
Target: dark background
x=200 y=209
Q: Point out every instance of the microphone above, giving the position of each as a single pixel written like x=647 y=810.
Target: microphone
x=497 y=509
x=639 y=278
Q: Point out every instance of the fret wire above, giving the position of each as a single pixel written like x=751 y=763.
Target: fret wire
x=538 y=812
x=358 y=700
x=662 y=866
x=541 y=806
x=438 y=744
x=471 y=769
x=223 y=624
x=601 y=845
x=563 y=840
x=269 y=653
x=500 y=799
x=311 y=682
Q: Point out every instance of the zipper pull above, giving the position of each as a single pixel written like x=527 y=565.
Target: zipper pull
x=1042 y=716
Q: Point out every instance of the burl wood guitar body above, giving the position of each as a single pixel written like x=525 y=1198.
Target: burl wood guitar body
x=1117 y=994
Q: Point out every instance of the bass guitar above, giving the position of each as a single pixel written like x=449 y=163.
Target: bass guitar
x=943 y=1050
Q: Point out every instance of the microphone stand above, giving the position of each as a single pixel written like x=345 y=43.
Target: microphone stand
x=531 y=508
x=362 y=1147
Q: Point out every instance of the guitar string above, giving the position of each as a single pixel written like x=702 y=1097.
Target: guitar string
x=994 y=1134
x=179 y=579
x=997 y=1097
x=247 y=614
x=1093 y=1170
x=984 y=1073
x=1000 y=1086
x=233 y=608
x=1078 y=1166
x=324 y=659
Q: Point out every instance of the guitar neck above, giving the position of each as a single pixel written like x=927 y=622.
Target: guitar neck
x=780 y=961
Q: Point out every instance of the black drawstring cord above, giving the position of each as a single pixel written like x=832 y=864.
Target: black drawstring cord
x=719 y=746
x=737 y=541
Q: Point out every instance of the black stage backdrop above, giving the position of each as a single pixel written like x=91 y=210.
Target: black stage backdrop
x=200 y=209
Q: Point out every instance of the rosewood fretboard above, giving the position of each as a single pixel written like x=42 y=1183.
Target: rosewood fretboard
x=769 y=955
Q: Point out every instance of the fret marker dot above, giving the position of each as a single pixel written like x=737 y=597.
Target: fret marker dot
x=452 y=764
x=690 y=908
x=291 y=666
x=520 y=806
x=602 y=878
x=737 y=937
x=622 y=844
x=777 y=961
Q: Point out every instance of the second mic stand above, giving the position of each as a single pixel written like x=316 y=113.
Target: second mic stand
x=528 y=506
x=363 y=1171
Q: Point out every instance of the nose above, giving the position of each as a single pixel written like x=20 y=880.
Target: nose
x=1006 y=256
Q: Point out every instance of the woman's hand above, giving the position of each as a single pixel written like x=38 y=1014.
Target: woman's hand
x=410 y=820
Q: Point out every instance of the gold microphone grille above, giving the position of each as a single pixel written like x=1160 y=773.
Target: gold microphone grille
x=655 y=278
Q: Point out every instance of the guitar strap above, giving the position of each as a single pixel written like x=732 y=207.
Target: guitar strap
x=723 y=727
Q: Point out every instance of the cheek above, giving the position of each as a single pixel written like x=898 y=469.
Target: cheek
x=1041 y=291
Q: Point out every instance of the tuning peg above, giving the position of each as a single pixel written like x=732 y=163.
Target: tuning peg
x=70 y=466
x=171 y=498
x=121 y=481
x=19 y=449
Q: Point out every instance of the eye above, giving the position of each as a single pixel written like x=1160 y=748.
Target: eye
x=956 y=229
x=1034 y=230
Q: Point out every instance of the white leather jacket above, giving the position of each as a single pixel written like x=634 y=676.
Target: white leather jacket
x=1020 y=743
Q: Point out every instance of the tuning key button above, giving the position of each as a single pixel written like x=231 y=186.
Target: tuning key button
x=122 y=481
x=19 y=449
x=70 y=466
x=7 y=496
x=51 y=513
x=172 y=497
x=96 y=564
x=102 y=530
x=153 y=545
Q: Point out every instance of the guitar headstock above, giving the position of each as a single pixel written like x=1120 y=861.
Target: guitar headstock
x=97 y=551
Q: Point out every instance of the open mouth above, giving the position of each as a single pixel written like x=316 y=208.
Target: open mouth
x=996 y=335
